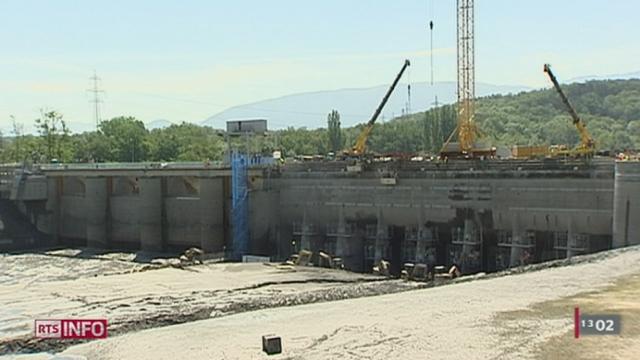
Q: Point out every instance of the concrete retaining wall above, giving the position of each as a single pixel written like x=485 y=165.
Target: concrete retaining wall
x=626 y=224
x=124 y=219
x=183 y=221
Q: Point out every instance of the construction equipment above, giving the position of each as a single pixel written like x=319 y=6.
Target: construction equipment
x=466 y=76
x=361 y=143
x=414 y=272
x=192 y=255
x=324 y=260
x=530 y=151
x=440 y=274
x=383 y=268
x=466 y=130
x=303 y=258
x=587 y=144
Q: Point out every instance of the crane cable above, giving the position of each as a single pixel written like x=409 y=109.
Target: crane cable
x=408 y=110
x=431 y=2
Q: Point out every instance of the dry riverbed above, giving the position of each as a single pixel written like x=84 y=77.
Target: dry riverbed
x=38 y=286
x=525 y=315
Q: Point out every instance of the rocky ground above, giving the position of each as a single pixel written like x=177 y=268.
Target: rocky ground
x=527 y=314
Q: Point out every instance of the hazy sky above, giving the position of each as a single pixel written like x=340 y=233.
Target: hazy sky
x=187 y=60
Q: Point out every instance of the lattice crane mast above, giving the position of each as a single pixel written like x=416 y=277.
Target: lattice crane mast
x=466 y=127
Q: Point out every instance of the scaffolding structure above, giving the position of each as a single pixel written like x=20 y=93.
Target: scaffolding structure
x=240 y=204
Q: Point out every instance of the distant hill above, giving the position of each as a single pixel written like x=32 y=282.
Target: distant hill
x=74 y=126
x=158 y=124
x=626 y=76
x=610 y=109
x=355 y=105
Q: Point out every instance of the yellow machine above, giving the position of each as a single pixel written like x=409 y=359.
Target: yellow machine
x=587 y=144
x=467 y=131
x=361 y=142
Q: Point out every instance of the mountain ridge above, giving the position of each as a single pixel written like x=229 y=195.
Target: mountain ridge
x=309 y=109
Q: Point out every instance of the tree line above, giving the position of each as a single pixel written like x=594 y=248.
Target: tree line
x=121 y=139
x=610 y=108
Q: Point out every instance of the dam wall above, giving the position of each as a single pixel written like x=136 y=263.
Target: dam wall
x=482 y=216
x=133 y=209
x=481 y=219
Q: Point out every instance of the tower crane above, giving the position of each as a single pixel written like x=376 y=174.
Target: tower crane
x=466 y=129
x=466 y=76
x=361 y=142
x=587 y=144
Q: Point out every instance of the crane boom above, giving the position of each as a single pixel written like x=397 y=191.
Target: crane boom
x=361 y=142
x=586 y=141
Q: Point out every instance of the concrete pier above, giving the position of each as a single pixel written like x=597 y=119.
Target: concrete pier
x=95 y=202
x=381 y=237
x=421 y=237
x=150 y=214
x=307 y=231
x=571 y=236
x=52 y=207
x=516 y=240
x=211 y=211
x=342 y=240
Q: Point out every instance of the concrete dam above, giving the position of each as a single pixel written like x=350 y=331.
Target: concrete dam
x=482 y=215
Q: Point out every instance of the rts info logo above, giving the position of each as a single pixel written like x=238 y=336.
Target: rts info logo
x=71 y=329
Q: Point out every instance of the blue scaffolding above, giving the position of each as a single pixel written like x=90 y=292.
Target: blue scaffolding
x=240 y=205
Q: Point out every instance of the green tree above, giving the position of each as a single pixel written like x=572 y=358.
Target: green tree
x=17 y=131
x=127 y=137
x=185 y=142
x=164 y=144
x=334 y=131
x=444 y=122
x=91 y=147
x=609 y=108
x=634 y=132
x=53 y=130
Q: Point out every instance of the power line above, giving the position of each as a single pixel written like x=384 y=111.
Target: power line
x=409 y=92
x=96 y=97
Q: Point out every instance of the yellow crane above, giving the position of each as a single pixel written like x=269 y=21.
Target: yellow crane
x=466 y=129
x=361 y=142
x=587 y=144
